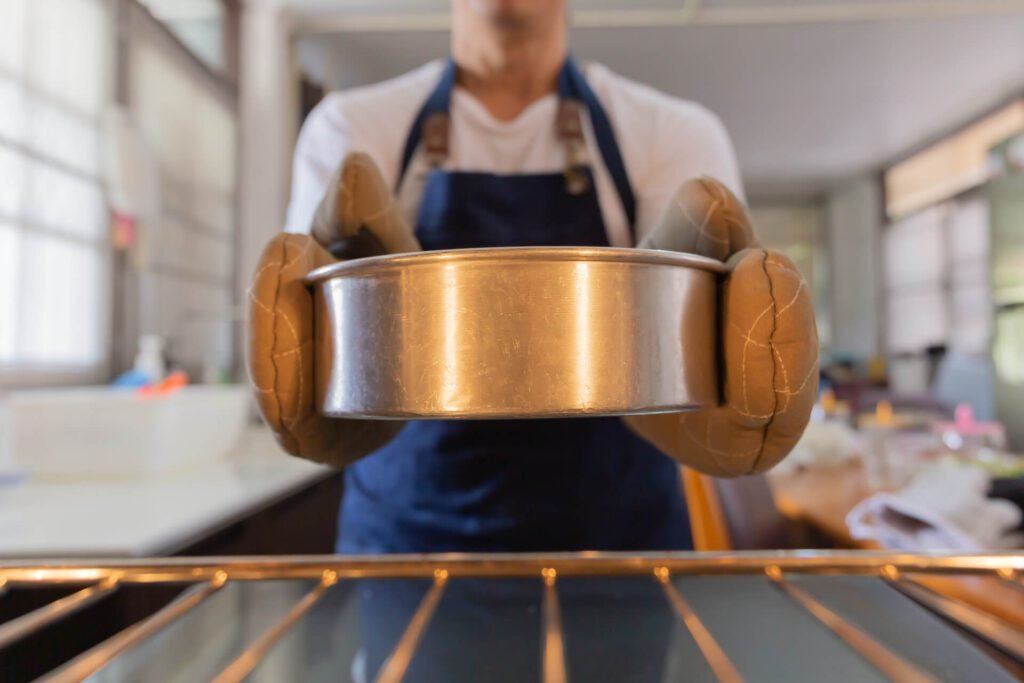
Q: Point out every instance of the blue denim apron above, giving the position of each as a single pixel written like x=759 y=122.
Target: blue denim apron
x=514 y=485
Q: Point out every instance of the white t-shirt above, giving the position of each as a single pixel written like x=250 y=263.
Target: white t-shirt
x=664 y=141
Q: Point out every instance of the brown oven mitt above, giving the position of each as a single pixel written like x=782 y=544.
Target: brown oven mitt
x=359 y=214
x=767 y=335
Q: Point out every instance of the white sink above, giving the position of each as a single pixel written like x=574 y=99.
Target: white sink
x=104 y=432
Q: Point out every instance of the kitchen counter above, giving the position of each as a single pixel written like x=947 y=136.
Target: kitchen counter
x=154 y=516
x=822 y=496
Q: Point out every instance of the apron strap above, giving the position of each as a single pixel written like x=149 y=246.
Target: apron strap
x=433 y=109
x=572 y=83
x=431 y=125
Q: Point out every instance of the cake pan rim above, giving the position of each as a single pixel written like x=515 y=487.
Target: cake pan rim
x=504 y=255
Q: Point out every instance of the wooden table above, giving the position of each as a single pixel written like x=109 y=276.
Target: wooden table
x=821 y=497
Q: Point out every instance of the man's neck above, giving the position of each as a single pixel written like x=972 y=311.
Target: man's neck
x=508 y=71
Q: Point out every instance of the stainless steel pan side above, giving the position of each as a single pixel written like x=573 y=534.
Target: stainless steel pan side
x=516 y=333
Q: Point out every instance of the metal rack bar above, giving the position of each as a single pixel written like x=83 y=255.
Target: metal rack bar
x=553 y=669
x=3 y=586
x=209 y=574
x=91 y=661
x=254 y=654
x=394 y=669
x=890 y=664
x=509 y=566
x=724 y=670
x=988 y=627
x=16 y=629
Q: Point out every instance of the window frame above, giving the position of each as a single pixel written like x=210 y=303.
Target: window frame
x=117 y=342
x=948 y=285
x=17 y=373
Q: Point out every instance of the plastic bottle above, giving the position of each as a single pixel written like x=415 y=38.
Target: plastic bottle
x=149 y=361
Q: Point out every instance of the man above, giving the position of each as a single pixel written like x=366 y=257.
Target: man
x=511 y=143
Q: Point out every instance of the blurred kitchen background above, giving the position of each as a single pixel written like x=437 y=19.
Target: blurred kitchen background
x=145 y=151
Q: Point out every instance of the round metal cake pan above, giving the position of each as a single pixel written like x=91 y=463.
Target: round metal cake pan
x=517 y=332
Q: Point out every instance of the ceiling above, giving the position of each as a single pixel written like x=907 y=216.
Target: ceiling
x=809 y=100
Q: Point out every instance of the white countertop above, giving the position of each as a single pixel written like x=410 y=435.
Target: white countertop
x=148 y=517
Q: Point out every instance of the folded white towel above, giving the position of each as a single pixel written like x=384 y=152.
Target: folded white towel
x=943 y=508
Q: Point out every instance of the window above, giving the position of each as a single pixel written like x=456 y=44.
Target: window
x=56 y=64
x=971 y=306
x=916 y=263
x=937 y=279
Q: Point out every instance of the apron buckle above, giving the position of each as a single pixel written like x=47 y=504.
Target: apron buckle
x=576 y=179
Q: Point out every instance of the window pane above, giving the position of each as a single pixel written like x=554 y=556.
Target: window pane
x=972 y=318
x=917 y=320
x=12 y=110
x=915 y=250
x=969 y=232
x=13 y=168
x=61 y=136
x=12 y=35
x=55 y=76
x=9 y=252
x=69 y=56
x=62 y=322
x=63 y=202
x=972 y=274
